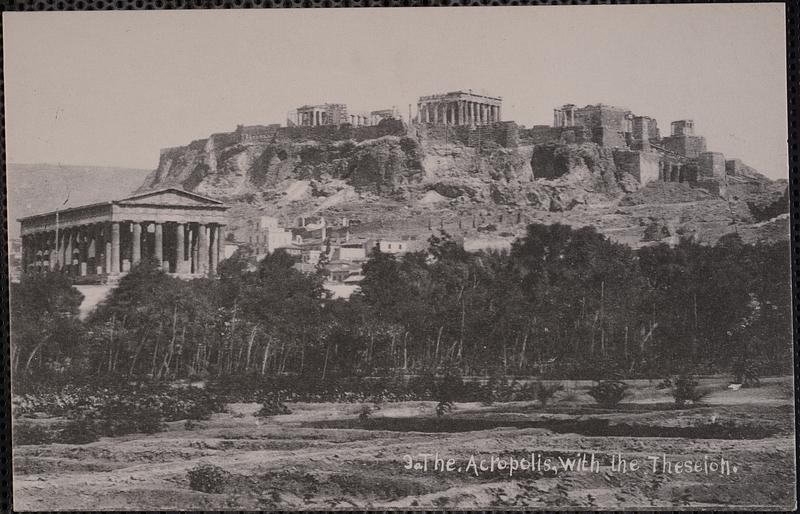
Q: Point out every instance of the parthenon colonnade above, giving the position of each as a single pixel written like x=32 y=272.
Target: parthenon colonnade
x=183 y=232
x=459 y=108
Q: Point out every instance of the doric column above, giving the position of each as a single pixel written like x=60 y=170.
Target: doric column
x=203 y=249
x=159 y=244
x=51 y=254
x=213 y=240
x=499 y=113
x=136 y=244
x=107 y=244
x=115 y=257
x=25 y=253
x=462 y=113
x=180 y=260
x=436 y=113
x=82 y=251
x=62 y=249
x=220 y=245
x=68 y=250
x=193 y=248
x=95 y=249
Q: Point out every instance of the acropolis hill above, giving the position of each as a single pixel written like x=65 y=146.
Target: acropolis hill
x=458 y=166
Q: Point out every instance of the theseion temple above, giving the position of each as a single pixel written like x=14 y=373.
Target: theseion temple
x=459 y=108
x=183 y=231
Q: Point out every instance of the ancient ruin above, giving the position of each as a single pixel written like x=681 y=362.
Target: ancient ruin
x=183 y=231
x=330 y=114
x=459 y=108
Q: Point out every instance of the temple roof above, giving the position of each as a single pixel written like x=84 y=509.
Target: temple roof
x=168 y=197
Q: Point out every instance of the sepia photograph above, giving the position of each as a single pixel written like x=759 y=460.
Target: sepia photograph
x=466 y=258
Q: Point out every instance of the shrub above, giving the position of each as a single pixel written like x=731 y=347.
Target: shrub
x=746 y=373
x=685 y=389
x=544 y=393
x=443 y=407
x=608 y=393
x=570 y=395
x=448 y=389
x=497 y=389
x=365 y=412
x=26 y=433
x=208 y=478
x=78 y=432
x=272 y=405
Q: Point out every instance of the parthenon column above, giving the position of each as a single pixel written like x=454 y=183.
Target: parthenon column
x=159 y=244
x=115 y=257
x=136 y=244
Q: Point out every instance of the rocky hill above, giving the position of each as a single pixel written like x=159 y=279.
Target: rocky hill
x=394 y=181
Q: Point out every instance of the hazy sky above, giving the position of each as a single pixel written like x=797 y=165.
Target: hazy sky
x=112 y=88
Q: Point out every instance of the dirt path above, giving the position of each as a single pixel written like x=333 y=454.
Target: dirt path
x=283 y=462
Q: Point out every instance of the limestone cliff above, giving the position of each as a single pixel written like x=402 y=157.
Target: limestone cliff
x=224 y=167
x=234 y=167
x=394 y=180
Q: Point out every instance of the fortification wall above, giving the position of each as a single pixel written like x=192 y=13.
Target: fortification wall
x=711 y=164
x=644 y=166
x=540 y=134
x=341 y=132
x=503 y=133
x=688 y=146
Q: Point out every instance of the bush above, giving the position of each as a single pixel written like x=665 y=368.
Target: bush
x=746 y=373
x=26 y=433
x=608 y=393
x=78 y=432
x=685 y=389
x=365 y=412
x=272 y=405
x=570 y=396
x=545 y=393
x=498 y=389
x=208 y=478
x=443 y=407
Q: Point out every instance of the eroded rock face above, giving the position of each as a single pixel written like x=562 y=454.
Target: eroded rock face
x=554 y=177
x=221 y=167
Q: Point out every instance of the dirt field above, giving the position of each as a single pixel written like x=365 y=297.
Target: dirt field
x=322 y=456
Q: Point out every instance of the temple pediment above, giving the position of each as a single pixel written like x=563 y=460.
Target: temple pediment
x=170 y=197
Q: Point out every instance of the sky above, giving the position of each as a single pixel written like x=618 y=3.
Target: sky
x=112 y=88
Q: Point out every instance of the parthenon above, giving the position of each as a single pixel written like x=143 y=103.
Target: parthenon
x=459 y=108
x=183 y=232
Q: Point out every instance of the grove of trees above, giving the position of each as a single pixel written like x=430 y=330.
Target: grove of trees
x=566 y=303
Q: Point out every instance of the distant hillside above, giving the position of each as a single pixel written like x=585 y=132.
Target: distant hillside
x=36 y=188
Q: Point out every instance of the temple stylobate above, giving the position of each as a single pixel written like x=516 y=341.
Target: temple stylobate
x=459 y=108
x=182 y=231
